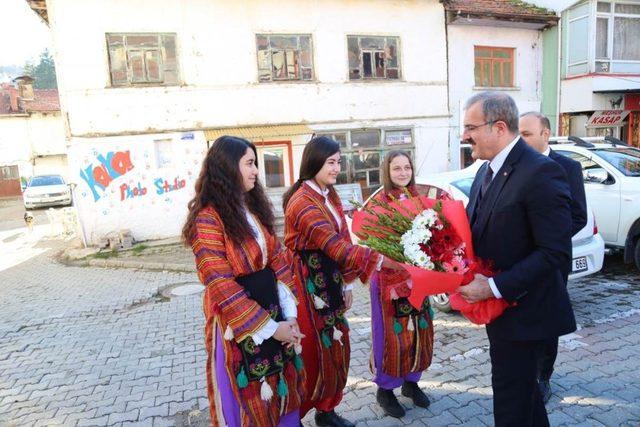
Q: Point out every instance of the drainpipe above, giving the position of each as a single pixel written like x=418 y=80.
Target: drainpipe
x=559 y=71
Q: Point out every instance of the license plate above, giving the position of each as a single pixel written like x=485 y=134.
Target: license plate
x=579 y=264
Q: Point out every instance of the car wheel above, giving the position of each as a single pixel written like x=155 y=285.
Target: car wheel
x=441 y=302
x=636 y=254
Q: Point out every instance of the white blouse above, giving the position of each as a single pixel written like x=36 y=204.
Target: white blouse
x=285 y=297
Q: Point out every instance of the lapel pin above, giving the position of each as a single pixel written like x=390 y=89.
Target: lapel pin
x=505 y=173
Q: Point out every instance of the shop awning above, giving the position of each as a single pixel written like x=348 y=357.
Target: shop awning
x=259 y=133
x=607 y=118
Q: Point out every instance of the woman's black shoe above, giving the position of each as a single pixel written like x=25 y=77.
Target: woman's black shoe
x=412 y=391
x=331 y=419
x=387 y=401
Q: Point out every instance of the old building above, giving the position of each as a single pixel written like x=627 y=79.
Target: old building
x=146 y=86
x=498 y=45
x=32 y=136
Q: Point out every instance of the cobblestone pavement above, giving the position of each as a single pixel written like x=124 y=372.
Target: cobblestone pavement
x=103 y=346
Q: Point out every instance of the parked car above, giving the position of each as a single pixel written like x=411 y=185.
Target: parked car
x=46 y=190
x=588 y=245
x=611 y=171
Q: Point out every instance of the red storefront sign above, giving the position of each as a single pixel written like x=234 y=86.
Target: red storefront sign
x=632 y=101
x=607 y=118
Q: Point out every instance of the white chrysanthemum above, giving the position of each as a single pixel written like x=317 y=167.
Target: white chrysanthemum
x=419 y=234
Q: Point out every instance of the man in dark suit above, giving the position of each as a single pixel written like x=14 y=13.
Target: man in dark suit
x=520 y=215
x=535 y=129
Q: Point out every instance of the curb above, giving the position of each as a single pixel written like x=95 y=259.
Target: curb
x=118 y=263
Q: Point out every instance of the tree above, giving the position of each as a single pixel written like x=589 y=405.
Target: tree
x=44 y=72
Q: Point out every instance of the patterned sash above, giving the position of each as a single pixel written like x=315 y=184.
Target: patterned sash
x=323 y=292
x=269 y=357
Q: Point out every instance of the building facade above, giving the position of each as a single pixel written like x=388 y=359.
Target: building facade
x=496 y=45
x=600 y=70
x=32 y=135
x=149 y=85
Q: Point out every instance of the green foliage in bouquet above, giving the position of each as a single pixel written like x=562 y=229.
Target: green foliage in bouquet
x=392 y=223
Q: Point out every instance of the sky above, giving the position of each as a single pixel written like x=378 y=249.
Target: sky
x=23 y=35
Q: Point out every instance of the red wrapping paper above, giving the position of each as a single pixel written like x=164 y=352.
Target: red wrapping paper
x=428 y=282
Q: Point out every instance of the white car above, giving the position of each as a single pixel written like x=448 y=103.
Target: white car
x=611 y=171
x=46 y=190
x=588 y=245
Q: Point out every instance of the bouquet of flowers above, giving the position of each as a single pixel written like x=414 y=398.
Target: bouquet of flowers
x=432 y=239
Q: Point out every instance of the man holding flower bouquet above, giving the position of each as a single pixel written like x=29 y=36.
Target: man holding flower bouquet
x=520 y=215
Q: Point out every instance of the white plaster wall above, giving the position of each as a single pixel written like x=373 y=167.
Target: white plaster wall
x=47 y=135
x=528 y=68
x=578 y=94
x=51 y=165
x=15 y=146
x=23 y=137
x=217 y=57
x=153 y=215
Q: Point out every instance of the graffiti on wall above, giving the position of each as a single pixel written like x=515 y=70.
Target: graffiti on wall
x=112 y=166
x=164 y=186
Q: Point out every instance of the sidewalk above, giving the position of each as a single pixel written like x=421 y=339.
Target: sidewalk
x=160 y=255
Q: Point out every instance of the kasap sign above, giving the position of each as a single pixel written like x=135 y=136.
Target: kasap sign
x=606 y=118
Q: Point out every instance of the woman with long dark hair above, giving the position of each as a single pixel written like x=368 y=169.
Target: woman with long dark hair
x=325 y=263
x=402 y=337
x=254 y=372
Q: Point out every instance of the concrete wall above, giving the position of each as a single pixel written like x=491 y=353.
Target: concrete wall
x=528 y=68
x=121 y=184
x=25 y=137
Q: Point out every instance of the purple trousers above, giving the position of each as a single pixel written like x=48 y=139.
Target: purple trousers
x=230 y=405
x=383 y=380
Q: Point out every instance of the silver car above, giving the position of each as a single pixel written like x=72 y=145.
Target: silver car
x=46 y=190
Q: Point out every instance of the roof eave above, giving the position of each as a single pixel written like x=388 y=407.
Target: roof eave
x=40 y=8
x=545 y=21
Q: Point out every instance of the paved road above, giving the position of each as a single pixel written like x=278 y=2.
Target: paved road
x=92 y=346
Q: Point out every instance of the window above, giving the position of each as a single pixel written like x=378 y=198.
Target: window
x=587 y=164
x=9 y=173
x=466 y=159
x=432 y=192
x=578 y=34
x=142 y=59
x=373 y=57
x=617 y=32
x=284 y=57
x=164 y=152
x=362 y=151
x=626 y=161
x=494 y=66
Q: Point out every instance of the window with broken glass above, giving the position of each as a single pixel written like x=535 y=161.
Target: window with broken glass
x=373 y=57
x=363 y=150
x=284 y=57
x=142 y=59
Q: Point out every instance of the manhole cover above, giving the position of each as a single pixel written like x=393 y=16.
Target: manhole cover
x=182 y=290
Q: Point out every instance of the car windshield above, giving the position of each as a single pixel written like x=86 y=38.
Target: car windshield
x=39 y=181
x=626 y=160
x=463 y=185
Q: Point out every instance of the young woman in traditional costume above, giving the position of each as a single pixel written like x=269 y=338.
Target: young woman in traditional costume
x=255 y=375
x=325 y=263
x=402 y=337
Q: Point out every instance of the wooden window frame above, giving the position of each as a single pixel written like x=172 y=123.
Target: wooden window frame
x=372 y=59
x=492 y=60
x=143 y=52
x=297 y=54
